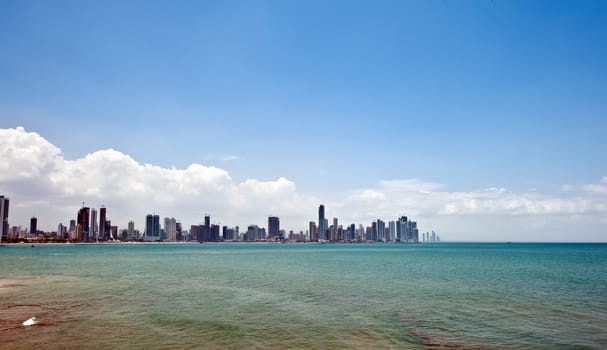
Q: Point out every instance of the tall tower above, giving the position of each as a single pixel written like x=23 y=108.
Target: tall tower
x=4 y=201
x=83 y=221
x=152 y=228
x=33 y=225
x=170 y=227
x=131 y=230
x=94 y=236
x=334 y=229
x=103 y=233
x=273 y=226
x=401 y=229
x=312 y=232
x=322 y=229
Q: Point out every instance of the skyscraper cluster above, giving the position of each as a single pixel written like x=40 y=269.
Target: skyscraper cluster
x=88 y=226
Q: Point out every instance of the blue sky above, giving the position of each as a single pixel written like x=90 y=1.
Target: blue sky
x=333 y=95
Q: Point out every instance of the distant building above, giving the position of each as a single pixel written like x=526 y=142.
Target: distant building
x=131 y=230
x=152 y=228
x=322 y=223
x=72 y=228
x=412 y=232
x=104 y=234
x=273 y=227
x=334 y=229
x=351 y=232
x=33 y=225
x=381 y=231
x=313 y=231
x=392 y=230
x=60 y=229
x=254 y=233
x=178 y=232
x=94 y=226
x=4 y=202
x=215 y=233
x=83 y=221
x=401 y=229
x=170 y=227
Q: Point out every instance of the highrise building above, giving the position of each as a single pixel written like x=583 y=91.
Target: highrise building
x=273 y=226
x=61 y=231
x=33 y=225
x=94 y=226
x=412 y=232
x=313 y=232
x=103 y=231
x=322 y=228
x=4 y=202
x=401 y=229
x=83 y=221
x=215 y=233
x=254 y=233
x=170 y=227
x=152 y=228
x=130 y=230
x=72 y=228
x=334 y=229
x=381 y=231
x=373 y=232
x=392 y=228
x=179 y=234
x=204 y=232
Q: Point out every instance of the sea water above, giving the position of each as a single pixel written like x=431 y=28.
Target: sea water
x=304 y=296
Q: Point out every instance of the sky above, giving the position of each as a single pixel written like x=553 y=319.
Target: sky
x=482 y=120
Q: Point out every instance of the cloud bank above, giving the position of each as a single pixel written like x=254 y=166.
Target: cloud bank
x=41 y=182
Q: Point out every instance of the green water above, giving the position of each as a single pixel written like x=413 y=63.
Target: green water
x=277 y=296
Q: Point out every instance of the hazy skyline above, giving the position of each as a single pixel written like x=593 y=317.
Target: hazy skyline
x=482 y=120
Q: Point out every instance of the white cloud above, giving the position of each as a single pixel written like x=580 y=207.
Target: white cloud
x=221 y=157
x=40 y=182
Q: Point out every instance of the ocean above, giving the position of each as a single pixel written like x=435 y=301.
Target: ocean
x=304 y=296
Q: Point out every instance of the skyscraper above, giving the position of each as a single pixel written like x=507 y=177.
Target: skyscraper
x=33 y=225
x=152 y=228
x=170 y=227
x=334 y=229
x=322 y=228
x=83 y=221
x=204 y=233
x=273 y=226
x=4 y=201
x=131 y=230
x=313 y=232
x=61 y=231
x=381 y=230
x=103 y=232
x=401 y=229
x=392 y=229
x=94 y=227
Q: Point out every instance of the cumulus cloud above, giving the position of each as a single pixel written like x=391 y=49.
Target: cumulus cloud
x=599 y=189
x=130 y=190
x=41 y=182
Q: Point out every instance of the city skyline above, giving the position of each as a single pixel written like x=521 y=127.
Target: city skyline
x=414 y=198
x=85 y=228
x=484 y=120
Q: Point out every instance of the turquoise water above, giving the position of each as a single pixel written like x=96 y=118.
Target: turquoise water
x=277 y=296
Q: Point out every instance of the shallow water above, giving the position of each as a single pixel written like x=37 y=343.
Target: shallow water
x=277 y=296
